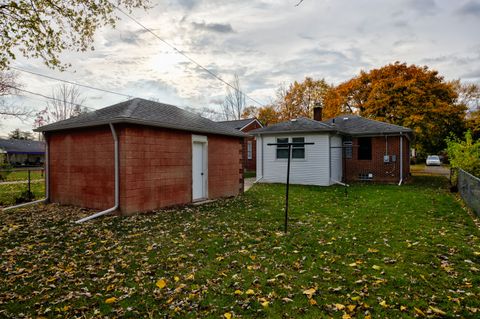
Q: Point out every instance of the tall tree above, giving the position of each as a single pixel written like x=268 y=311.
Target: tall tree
x=268 y=115
x=234 y=102
x=17 y=134
x=44 y=29
x=300 y=98
x=8 y=86
x=67 y=102
x=407 y=95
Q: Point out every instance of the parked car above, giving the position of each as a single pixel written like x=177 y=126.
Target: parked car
x=433 y=160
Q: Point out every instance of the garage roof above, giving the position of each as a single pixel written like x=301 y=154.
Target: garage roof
x=144 y=112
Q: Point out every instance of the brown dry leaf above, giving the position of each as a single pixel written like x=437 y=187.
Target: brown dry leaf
x=309 y=292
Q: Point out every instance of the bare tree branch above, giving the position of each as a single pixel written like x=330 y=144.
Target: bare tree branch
x=234 y=102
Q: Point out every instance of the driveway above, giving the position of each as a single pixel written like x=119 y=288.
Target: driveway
x=430 y=170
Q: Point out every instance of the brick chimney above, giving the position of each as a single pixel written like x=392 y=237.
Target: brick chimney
x=317 y=112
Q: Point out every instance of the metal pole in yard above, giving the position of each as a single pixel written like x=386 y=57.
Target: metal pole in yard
x=29 y=187
x=287 y=188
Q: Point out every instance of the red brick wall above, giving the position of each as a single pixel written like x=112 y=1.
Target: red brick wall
x=225 y=169
x=250 y=164
x=382 y=172
x=81 y=167
x=155 y=167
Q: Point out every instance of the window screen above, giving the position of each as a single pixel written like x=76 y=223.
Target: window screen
x=282 y=151
x=347 y=148
x=249 y=150
x=364 y=148
x=298 y=151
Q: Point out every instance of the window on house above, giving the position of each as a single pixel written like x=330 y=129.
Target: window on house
x=282 y=150
x=249 y=150
x=298 y=151
x=347 y=148
x=364 y=148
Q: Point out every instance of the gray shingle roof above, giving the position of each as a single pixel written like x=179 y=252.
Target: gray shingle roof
x=144 y=112
x=237 y=124
x=22 y=146
x=346 y=124
x=357 y=125
x=301 y=124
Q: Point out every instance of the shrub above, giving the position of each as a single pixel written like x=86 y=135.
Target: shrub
x=464 y=154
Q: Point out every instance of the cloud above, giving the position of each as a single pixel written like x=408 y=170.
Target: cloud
x=470 y=8
x=213 y=27
x=424 y=7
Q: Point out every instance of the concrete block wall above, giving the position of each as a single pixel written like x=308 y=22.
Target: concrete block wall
x=155 y=167
x=82 y=168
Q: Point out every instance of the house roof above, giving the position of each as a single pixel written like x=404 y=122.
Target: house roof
x=301 y=124
x=345 y=124
x=22 y=146
x=239 y=124
x=357 y=125
x=144 y=112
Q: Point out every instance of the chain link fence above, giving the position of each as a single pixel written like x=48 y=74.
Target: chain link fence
x=469 y=188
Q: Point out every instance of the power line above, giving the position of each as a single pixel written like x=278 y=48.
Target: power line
x=73 y=83
x=186 y=56
x=47 y=97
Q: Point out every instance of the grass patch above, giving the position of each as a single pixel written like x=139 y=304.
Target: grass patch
x=23 y=176
x=10 y=192
x=249 y=174
x=384 y=251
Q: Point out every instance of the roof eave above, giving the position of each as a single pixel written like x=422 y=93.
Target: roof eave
x=134 y=121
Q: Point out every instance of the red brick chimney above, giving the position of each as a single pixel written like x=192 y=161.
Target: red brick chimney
x=317 y=112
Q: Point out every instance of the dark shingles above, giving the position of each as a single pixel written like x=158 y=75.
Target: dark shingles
x=301 y=124
x=357 y=125
x=22 y=146
x=144 y=112
x=237 y=124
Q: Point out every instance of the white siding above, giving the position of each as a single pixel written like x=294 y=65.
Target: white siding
x=336 y=158
x=259 y=168
x=313 y=170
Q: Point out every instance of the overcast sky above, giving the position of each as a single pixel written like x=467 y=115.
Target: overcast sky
x=266 y=43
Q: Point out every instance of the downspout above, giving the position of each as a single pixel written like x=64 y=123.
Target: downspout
x=401 y=160
x=117 y=182
x=47 y=183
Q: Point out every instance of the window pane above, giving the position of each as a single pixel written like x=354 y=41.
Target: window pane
x=347 y=149
x=298 y=153
x=282 y=140
x=298 y=140
x=364 y=148
x=282 y=153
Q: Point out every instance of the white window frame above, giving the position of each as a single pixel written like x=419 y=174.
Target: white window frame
x=289 y=140
x=249 y=150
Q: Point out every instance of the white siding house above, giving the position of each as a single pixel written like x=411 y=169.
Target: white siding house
x=325 y=162
x=315 y=168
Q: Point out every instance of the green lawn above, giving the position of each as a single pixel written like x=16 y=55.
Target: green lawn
x=383 y=251
x=22 y=175
x=9 y=192
x=249 y=174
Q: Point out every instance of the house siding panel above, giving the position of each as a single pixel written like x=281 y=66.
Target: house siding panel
x=336 y=158
x=314 y=170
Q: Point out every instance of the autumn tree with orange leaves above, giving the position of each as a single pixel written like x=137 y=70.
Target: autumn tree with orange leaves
x=407 y=95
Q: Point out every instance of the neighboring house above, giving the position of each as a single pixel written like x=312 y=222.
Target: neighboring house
x=249 y=145
x=347 y=148
x=166 y=156
x=23 y=152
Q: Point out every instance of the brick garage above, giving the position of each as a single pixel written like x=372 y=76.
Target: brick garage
x=155 y=162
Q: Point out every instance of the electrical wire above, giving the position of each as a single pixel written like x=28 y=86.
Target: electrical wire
x=186 y=56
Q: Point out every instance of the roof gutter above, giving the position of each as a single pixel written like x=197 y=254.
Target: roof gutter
x=117 y=182
x=401 y=160
x=47 y=183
